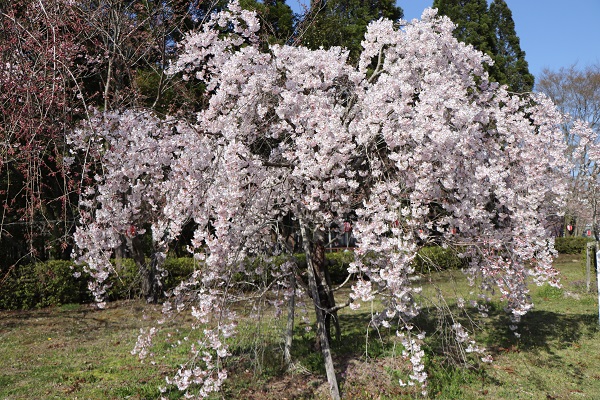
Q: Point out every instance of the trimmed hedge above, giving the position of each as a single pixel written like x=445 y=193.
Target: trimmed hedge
x=437 y=258
x=127 y=283
x=54 y=283
x=338 y=264
x=571 y=244
x=43 y=284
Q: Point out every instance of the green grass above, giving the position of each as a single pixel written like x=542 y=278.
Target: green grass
x=77 y=352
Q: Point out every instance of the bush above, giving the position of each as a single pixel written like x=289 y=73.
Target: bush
x=571 y=244
x=179 y=269
x=53 y=283
x=338 y=265
x=44 y=284
x=58 y=284
x=126 y=284
x=18 y=289
x=436 y=258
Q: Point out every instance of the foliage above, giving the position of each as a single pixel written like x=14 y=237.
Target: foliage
x=492 y=31
x=571 y=244
x=437 y=258
x=43 y=284
x=277 y=20
x=510 y=67
x=339 y=262
x=57 y=282
x=344 y=23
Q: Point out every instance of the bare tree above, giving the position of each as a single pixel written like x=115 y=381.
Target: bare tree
x=576 y=91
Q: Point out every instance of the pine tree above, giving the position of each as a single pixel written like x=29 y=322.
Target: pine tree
x=473 y=22
x=492 y=31
x=344 y=22
x=510 y=64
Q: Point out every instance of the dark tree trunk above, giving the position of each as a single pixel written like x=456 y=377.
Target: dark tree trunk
x=150 y=284
x=321 y=331
x=325 y=288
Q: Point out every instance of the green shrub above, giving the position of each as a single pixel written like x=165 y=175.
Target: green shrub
x=571 y=244
x=338 y=265
x=126 y=283
x=19 y=289
x=44 y=284
x=436 y=258
x=53 y=283
x=58 y=285
x=178 y=269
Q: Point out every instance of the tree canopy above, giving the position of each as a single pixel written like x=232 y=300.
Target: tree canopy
x=492 y=31
x=576 y=92
x=344 y=22
x=415 y=143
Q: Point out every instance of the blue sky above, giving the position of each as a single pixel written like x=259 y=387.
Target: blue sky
x=553 y=33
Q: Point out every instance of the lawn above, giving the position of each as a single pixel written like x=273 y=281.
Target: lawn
x=78 y=352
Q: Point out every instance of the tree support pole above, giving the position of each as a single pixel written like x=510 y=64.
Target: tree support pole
x=598 y=281
x=588 y=262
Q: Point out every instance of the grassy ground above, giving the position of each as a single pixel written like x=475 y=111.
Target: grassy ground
x=76 y=352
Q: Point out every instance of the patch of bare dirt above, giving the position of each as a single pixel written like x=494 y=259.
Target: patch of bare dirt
x=358 y=379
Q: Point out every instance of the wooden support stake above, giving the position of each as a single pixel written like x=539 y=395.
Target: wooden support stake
x=588 y=263
x=598 y=281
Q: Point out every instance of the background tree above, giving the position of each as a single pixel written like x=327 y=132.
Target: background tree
x=510 y=66
x=492 y=31
x=343 y=22
x=276 y=18
x=576 y=92
x=40 y=58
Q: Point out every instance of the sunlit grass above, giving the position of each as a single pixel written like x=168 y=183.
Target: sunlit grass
x=75 y=351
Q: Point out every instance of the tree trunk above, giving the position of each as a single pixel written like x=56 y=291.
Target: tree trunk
x=119 y=256
x=321 y=331
x=289 y=331
x=148 y=270
x=150 y=278
x=595 y=231
x=325 y=288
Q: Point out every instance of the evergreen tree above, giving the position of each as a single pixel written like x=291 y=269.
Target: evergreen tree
x=276 y=18
x=492 y=31
x=473 y=22
x=344 y=22
x=510 y=64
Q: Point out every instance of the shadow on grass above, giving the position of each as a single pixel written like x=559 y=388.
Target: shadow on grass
x=78 y=318
x=542 y=330
x=359 y=340
x=538 y=329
